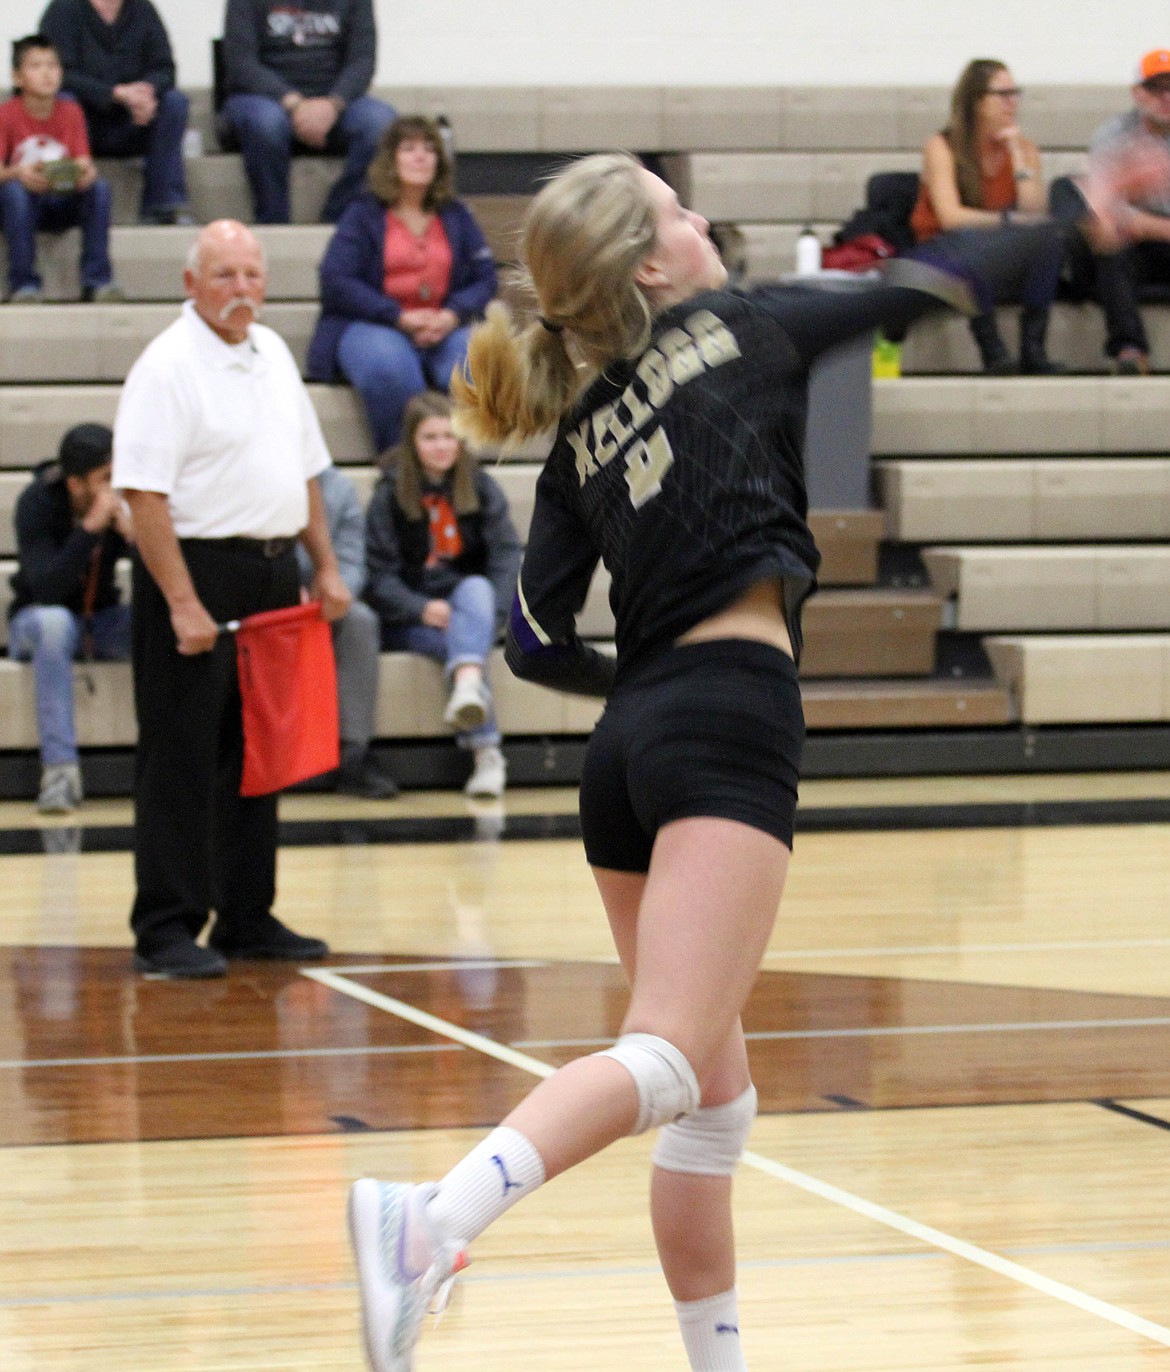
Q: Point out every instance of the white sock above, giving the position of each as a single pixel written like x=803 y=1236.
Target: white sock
x=710 y=1332
x=497 y=1173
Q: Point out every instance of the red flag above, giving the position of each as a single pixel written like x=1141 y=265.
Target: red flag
x=288 y=681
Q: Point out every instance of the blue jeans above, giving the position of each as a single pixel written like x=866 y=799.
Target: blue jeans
x=467 y=639
x=386 y=369
x=159 y=143
x=263 y=130
x=49 y=636
x=23 y=213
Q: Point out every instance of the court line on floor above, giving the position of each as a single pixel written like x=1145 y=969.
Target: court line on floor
x=758 y=1036
x=481 y=1278
x=956 y=949
x=258 y=1055
x=897 y=1030
x=923 y=1233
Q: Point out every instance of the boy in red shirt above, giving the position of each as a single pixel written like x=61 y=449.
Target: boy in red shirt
x=48 y=181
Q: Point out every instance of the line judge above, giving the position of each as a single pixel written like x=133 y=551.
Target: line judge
x=217 y=449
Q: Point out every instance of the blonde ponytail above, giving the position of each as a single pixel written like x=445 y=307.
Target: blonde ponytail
x=585 y=236
x=517 y=382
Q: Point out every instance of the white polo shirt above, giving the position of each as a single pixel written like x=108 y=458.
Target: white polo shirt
x=227 y=433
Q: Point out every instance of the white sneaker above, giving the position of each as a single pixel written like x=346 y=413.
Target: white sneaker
x=489 y=776
x=468 y=707
x=395 y=1302
x=60 y=792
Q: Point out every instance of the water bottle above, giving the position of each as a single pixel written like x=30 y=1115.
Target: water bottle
x=808 y=252
x=447 y=134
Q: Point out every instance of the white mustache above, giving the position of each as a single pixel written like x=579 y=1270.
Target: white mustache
x=237 y=303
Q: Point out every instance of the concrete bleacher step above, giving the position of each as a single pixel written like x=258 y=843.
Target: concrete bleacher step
x=943 y=344
x=87 y=343
x=802 y=186
x=912 y=416
x=149 y=261
x=872 y=632
x=1103 y=587
x=978 y=499
x=677 y=118
x=1085 y=678
x=930 y=704
x=218 y=189
x=848 y=542
x=33 y=417
x=946 y=416
x=411 y=698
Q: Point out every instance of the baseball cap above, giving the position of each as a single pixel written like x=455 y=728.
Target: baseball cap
x=84 y=448
x=1155 y=63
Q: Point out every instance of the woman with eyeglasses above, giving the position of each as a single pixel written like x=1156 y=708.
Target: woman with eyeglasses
x=977 y=173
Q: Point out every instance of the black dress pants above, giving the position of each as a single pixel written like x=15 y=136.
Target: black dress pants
x=198 y=844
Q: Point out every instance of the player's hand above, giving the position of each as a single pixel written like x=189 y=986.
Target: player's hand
x=335 y=596
x=437 y=614
x=86 y=173
x=195 y=630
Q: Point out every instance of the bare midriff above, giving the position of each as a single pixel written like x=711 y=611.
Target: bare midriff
x=757 y=614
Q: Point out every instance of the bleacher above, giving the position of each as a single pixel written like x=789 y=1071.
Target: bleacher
x=1021 y=518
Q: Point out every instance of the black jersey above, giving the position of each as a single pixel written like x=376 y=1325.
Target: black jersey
x=681 y=469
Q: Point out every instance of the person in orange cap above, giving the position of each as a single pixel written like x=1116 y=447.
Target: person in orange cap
x=1143 y=259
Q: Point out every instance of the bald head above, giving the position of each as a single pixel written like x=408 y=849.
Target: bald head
x=226 y=277
x=218 y=233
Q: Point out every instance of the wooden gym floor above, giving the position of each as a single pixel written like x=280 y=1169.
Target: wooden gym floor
x=961 y=1039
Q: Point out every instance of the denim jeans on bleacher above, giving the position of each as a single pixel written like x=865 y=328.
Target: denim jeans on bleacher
x=23 y=213
x=49 y=636
x=264 y=132
x=159 y=144
x=467 y=639
x=385 y=368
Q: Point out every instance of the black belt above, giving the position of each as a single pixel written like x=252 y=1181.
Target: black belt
x=264 y=547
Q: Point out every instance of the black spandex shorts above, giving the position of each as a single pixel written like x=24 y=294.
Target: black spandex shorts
x=713 y=729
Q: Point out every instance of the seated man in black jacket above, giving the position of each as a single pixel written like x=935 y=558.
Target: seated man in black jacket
x=70 y=531
x=118 y=64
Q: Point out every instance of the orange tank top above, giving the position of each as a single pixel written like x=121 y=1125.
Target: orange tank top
x=999 y=193
x=416 y=271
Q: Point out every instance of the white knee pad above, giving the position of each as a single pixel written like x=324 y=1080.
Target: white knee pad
x=666 y=1083
x=710 y=1141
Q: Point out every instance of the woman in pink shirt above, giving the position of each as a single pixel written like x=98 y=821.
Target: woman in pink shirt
x=405 y=275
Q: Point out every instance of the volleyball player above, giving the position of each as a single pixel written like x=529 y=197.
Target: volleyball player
x=679 y=465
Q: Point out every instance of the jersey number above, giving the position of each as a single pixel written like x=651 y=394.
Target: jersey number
x=646 y=464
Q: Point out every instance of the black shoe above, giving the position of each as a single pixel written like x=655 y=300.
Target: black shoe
x=183 y=958
x=1042 y=366
x=993 y=353
x=180 y=216
x=366 y=778
x=1034 y=361
x=266 y=938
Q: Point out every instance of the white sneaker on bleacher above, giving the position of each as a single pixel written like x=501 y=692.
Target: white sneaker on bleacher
x=467 y=709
